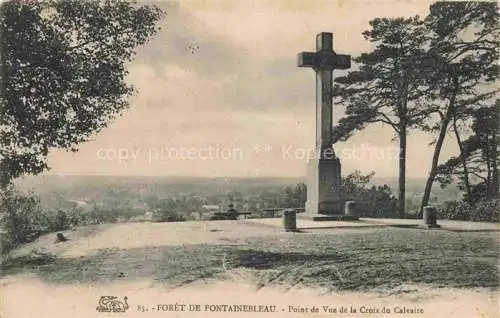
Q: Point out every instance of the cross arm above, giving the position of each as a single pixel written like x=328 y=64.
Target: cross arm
x=306 y=59
x=324 y=60
x=342 y=62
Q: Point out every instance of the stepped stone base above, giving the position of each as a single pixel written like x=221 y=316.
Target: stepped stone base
x=327 y=217
x=432 y=226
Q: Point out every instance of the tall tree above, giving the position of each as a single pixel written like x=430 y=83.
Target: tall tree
x=479 y=155
x=388 y=87
x=463 y=160
x=464 y=46
x=62 y=69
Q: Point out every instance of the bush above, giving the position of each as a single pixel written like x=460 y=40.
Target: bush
x=378 y=202
x=375 y=201
x=99 y=216
x=164 y=215
x=6 y=243
x=453 y=210
x=61 y=221
x=483 y=211
x=22 y=220
x=370 y=201
x=486 y=211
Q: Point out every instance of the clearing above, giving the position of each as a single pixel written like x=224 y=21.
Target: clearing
x=444 y=273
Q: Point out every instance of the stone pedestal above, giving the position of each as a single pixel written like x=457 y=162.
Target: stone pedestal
x=323 y=182
x=324 y=202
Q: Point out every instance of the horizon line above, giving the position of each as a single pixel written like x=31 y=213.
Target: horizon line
x=191 y=176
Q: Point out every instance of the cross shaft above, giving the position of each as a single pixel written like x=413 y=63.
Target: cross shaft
x=324 y=61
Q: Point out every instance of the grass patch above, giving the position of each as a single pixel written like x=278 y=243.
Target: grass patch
x=376 y=258
x=382 y=258
x=14 y=265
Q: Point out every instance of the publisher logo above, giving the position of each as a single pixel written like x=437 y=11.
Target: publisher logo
x=112 y=304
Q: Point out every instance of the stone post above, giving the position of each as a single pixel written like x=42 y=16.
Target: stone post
x=430 y=217
x=290 y=220
x=350 y=208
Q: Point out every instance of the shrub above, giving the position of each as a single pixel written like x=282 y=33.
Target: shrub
x=483 y=211
x=375 y=201
x=22 y=220
x=486 y=211
x=452 y=210
x=60 y=222
x=165 y=215
x=99 y=216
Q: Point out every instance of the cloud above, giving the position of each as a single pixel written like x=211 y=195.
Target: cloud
x=241 y=88
x=183 y=30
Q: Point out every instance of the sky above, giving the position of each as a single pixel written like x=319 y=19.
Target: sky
x=219 y=94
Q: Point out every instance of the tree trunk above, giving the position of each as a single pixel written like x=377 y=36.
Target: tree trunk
x=403 y=123
x=494 y=150
x=494 y=166
x=487 y=157
x=445 y=120
x=402 y=173
x=464 y=163
x=435 y=161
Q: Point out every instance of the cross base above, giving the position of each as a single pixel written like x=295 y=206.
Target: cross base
x=325 y=207
x=431 y=226
x=327 y=217
x=324 y=180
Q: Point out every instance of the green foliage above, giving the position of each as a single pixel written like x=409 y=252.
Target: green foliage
x=463 y=42
x=98 y=214
x=374 y=201
x=295 y=197
x=370 y=201
x=62 y=68
x=165 y=215
x=452 y=210
x=479 y=154
x=387 y=86
x=426 y=74
x=171 y=210
x=483 y=211
x=20 y=220
x=487 y=211
x=23 y=219
x=61 y=221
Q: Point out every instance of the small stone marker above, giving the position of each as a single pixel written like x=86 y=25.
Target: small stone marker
x=60 y=238
x=430 y=217
x=290 y=220
x=350 y=208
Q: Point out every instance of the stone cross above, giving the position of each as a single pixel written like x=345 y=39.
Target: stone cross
x=324 y=175
x=324 y=61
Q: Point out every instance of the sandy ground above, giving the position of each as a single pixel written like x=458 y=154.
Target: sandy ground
x=26 y=296
x=136 y=235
